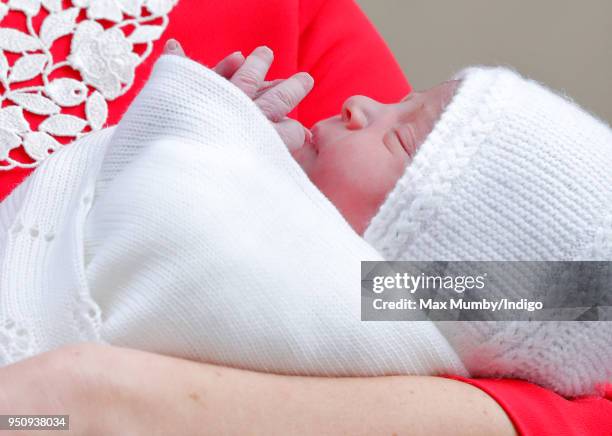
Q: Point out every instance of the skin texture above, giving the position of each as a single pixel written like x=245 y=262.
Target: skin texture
x=357 y=157
x=109 y=390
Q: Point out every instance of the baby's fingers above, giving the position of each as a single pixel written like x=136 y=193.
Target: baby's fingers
x=291 y=132
x=281 y=99
x=228 y=66
x=252 y=73
x=266 y=86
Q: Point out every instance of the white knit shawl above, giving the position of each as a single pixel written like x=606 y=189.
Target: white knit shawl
x=189 y=230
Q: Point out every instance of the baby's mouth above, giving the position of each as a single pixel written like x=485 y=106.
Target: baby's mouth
x=310 y=148
x=313 y=141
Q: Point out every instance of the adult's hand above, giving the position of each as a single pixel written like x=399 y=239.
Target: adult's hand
x=110 y=390
x=276 y=99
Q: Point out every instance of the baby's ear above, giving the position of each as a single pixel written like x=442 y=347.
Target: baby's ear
x=174 y=47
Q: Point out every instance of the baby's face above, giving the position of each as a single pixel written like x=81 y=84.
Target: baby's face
x=357 y=157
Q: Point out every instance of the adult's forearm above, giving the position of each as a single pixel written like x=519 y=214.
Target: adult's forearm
x=132 y=392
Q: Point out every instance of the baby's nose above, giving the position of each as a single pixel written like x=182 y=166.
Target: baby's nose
x=358 y=111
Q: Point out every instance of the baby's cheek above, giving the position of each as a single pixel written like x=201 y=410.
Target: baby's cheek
x=356 y=184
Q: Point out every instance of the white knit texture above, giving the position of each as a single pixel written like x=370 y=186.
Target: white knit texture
x=190 y=231
x=511 y=171
x=44 y=301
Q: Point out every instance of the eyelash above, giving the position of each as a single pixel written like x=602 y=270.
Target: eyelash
x=407 y=140
x=400 y=139
x=388 y=137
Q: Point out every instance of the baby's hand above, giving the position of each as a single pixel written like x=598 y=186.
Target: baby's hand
x=275 y=98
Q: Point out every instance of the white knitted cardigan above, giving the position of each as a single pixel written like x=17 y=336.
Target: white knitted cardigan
x=189 y=230
x=511 y=171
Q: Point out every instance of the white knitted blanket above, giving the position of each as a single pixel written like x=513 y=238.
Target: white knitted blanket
x=189 y=230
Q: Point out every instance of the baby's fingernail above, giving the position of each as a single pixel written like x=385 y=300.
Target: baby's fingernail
x=306 y=79
x=264 y=52
x=173 y=47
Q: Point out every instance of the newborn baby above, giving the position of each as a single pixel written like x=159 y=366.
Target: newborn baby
x=510 y=172
x=357 y=157
x=487 y=166
x=189 y=230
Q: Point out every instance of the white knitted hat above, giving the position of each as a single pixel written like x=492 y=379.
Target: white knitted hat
x=511 y=171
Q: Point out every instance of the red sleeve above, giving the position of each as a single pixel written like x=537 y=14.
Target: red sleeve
x=536 y=411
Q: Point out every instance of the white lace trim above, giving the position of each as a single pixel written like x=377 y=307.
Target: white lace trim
x=15 y=342
x=105 y=58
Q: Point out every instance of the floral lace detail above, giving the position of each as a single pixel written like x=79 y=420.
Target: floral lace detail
x=105 y=56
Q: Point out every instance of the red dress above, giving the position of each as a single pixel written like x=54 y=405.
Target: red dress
x=332 y=40
x=335 y=42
